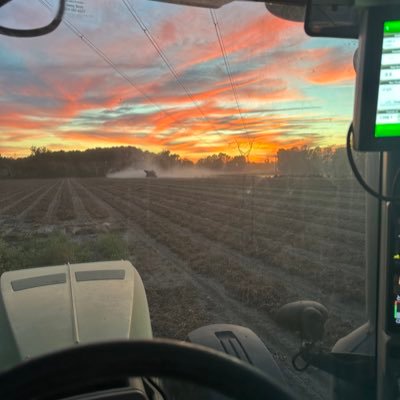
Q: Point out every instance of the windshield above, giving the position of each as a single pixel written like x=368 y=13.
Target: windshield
x=206 y=147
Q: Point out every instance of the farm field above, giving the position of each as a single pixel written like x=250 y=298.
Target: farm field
x=210 y=250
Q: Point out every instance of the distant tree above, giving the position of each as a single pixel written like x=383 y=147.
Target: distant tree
x=167 y=160
x=39 y=151
x=292 y=161
x=215 y=162
x=185 y=163
x=5 y=167
x=237 y=163
x=327 y=161
x=340 y=166
x=300 y=161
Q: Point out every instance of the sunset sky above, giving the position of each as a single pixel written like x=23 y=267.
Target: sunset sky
x=58 y=92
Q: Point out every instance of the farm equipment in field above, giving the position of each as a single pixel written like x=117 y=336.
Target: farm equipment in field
x=150 y=173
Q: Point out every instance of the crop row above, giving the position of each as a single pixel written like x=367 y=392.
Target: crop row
x=242 y=277
x=282 y=202
x=250 y=244
x=23 y=204
x=259 y=235
x=325 y=197
x=312 y=270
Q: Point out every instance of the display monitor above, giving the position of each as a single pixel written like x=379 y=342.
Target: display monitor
x=388 y=108
x=377 y=105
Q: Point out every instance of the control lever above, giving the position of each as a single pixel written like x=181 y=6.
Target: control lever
x=308 y=318
x=305 y=317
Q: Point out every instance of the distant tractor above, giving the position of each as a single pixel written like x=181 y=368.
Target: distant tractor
x=150 y=173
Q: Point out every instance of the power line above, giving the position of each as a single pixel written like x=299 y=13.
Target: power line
x=100 y=53
x=227 y=65
x=163 y=56
x=161 y=53
x=231 y=80
x=104 y=56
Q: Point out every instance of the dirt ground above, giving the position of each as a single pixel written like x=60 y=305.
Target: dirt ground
x=218 y=250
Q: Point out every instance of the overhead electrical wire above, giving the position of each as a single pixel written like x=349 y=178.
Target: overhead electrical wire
x=229 y=72
x=227 y=65
x=100 y=53
x=163 y=56
x=104 y=56
x=161 y=53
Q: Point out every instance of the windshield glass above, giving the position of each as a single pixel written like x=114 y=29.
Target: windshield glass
x=204 y=146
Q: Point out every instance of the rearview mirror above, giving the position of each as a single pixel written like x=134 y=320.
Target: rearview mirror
x=291 y=12
x=21 y=18
x=340 y=20
x=198 y=3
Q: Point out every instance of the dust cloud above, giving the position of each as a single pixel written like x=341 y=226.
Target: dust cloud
x=179 y=172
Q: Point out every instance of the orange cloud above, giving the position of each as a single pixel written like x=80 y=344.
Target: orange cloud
x=329 y=73
x=331 y=66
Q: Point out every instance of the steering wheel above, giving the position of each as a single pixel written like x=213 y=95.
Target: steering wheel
x=54 y=374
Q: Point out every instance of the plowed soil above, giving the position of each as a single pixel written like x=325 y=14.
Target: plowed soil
x=218 y=250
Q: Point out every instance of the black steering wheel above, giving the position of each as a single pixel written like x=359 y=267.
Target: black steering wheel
x=57 y=373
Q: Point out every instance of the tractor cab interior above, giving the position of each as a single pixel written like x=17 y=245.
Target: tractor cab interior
x=115 y=356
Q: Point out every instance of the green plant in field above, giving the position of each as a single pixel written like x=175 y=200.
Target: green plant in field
x=57 y=249
x=60 y=249
x=11 y=257
x=110 y=247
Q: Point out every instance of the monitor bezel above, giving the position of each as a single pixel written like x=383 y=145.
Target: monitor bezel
x=368 y=80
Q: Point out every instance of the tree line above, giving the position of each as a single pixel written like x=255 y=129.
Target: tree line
x=99 y=162
x=306 y=161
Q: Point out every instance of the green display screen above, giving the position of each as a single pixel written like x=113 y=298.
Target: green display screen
x=388 y=110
